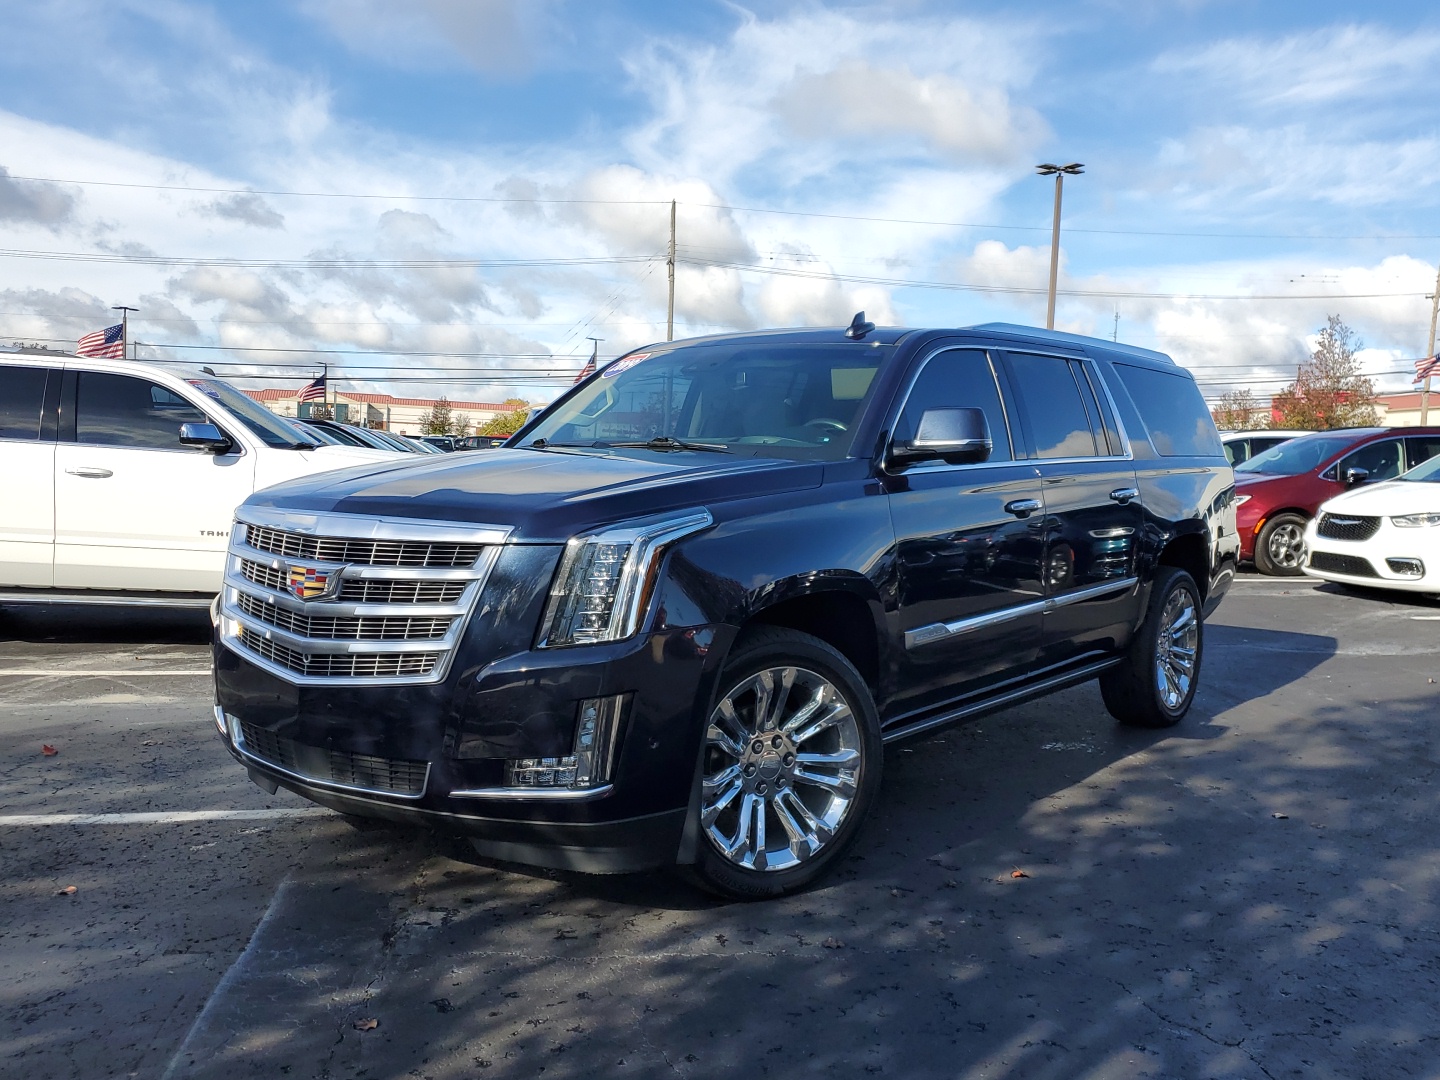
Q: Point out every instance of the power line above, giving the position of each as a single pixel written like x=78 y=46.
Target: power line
x=502 y=199
x=905 y=283
x=306 y=264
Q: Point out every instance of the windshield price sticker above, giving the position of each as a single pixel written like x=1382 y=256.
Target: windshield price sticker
x=625 y=363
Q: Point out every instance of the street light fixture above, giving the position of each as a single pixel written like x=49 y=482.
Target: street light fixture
x=1059 y=172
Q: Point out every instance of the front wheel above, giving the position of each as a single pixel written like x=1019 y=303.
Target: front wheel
x=790 y=767
x=1156 y=683
x=1280 y=547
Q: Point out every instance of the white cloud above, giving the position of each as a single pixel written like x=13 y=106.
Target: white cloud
x=248 y=208
x=862 y=102
x=1326 y=65
x=498 y=36
x=34 y=202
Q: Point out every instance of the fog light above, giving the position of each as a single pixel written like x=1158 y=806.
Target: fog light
x=1406 y=567
x=597 y=730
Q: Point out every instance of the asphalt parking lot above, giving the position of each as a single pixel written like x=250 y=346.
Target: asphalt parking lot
x=1252 y=894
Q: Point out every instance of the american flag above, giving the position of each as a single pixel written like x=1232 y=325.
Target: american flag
x=586 y=371
x=109 y=343
x=313 y=391
x=1427 y=367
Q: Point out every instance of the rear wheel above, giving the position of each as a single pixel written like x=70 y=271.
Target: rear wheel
x=790 y=767
x=1156 y=683
x=1280 y=547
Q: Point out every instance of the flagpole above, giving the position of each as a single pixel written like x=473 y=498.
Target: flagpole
x=125 y=328
x=1430 y=352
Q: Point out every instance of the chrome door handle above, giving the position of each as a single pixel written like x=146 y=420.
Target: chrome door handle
x=1124 y=495
x=89 y=472
x=1022 y=507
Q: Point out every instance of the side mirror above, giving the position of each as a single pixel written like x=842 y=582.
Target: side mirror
x=206 y=436
x=958 y=436
x=1356 y=476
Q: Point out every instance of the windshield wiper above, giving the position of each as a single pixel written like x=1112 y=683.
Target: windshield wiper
x=666 y=442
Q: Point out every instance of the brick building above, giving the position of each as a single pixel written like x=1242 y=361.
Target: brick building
x=384 y=411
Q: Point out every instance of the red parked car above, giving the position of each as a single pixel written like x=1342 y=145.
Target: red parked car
x=1278 y=491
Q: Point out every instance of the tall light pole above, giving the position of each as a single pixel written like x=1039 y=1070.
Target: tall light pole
x=124 y=328
x=1059 y=172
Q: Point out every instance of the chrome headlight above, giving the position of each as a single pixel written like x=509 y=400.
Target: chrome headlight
x=1415 y=521
x=1241 y=500
x=604 y=580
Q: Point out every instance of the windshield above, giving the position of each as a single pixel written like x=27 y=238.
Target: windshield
x=792 y=401
x=272 y=430
x=1296 y=456
x=1427 y=472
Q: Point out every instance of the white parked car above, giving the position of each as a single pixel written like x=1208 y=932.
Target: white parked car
x=1381 y=535
x=1241 y=446
x=119 y=479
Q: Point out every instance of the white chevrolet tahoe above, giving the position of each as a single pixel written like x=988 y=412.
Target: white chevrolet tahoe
x=119 y=479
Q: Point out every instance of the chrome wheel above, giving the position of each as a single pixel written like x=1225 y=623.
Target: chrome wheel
x=1176 y=650
x=782 y=768
x=1286 y=546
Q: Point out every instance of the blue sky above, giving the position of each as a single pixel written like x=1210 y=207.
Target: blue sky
x=1250 y=168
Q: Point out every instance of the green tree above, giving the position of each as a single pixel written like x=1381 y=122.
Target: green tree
x=1238 y=410
x=439 y=420
x=509 y=422
x=1329 y=391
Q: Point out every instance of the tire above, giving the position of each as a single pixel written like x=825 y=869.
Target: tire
x=772 y=819
x=1280 y=547
x=1152 y=688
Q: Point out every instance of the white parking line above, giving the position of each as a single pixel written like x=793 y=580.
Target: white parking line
x=231 y=977
x=109 y=674
x=167 y=817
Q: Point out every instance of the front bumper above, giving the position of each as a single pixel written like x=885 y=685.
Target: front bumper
x=1378 y=562
x=435 y=756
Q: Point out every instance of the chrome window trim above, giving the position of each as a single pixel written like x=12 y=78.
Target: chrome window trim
x=1099 y=435
x=941 y=466
x=932 y=632
x=238 y=741
x=1097 y=378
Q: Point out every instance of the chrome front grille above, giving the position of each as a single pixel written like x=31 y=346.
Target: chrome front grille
x=369 y=552
x=337 y=665
x=1346 y=527
x=336 y=598
x=345 y=627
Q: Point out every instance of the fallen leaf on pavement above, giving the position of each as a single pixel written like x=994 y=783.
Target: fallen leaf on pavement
x=368 y=1024
x=1017 y=872
x=832 y=943
x=68 y=890
x=1280 y=817
x=48 y=750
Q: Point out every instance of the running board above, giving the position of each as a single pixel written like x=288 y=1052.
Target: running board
x=1001 y=701
x=105 y=599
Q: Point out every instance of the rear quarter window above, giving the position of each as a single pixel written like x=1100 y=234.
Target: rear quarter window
x=1173 y=411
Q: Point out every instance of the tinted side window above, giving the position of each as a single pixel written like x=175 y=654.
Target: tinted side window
x=22 y=397
x=1380 y=459
x=1236 y=452
x=1420 y=449
x=1180 y=425
x=957 y=379
x=117 y=410
x=1061 y=424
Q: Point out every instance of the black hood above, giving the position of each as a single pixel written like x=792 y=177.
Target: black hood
x=547 y=496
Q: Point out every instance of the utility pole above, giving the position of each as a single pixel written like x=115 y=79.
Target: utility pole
x=125 y=329
x=1115 y=334
x=1430 y=351
x=670 y=308
x=1059 y=172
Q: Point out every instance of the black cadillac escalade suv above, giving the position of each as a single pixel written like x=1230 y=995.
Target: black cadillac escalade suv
x=677 y=616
